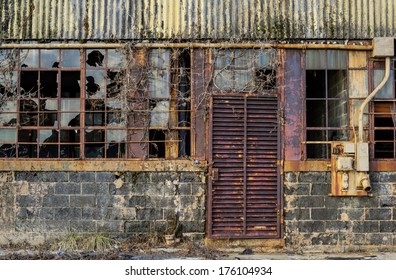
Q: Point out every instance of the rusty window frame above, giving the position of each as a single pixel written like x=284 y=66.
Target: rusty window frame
x=104 y=129
x=324 y=64
x=383 y=114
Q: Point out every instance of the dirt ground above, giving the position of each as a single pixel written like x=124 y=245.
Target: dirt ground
x=186 y=250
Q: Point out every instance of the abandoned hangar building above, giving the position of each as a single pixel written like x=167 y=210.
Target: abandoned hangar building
x=264 y=120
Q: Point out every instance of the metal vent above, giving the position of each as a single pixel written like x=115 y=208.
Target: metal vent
x=244 y=195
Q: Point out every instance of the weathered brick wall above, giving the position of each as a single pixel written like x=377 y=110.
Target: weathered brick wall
x=316 y=221
x=36 y=206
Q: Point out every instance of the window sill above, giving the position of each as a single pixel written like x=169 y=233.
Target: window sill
x=108 y=165
x=324 y=165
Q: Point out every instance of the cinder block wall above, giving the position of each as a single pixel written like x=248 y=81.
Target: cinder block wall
x=37 y=206
x=316 y=221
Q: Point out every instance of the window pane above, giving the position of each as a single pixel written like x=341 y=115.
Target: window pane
x=70 y=84
x=27 y=151
x=338 y=113
x=159 y=58
x=49 y=58
x=7 y=135
x=69 y=151
x=8 y=82
x=48 y=136
x=316 y=84
x=337 y=83
x=29 y=58
x=160 y=114
x=387 y=90
x=29 y=83
x=70 y=58
x=48 y=84
x=7 y=150
x=8 y=115
x=95 y=84
x=115 y=135
x=337 y=59
x=95 y=58
x=316 y=113
x=315 y=59
x=116 y=59
x=159 y=84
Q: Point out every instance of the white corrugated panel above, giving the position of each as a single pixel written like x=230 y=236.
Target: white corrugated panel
x=196 y=19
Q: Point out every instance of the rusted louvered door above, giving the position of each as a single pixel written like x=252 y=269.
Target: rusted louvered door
x=244 y=196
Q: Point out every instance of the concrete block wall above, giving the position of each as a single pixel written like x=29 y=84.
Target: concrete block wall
x=37 y=206
x=316 y=221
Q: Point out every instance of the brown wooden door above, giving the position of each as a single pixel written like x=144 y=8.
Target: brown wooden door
x=244 y=195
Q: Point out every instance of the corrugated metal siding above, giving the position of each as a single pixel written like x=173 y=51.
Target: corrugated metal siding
x=196 y=19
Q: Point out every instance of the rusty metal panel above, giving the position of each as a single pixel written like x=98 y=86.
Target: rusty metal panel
x=199 y=102
x=244 y=178
x=196 y=19
x=293 y=105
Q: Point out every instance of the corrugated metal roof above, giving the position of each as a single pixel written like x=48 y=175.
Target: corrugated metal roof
x=196 y=19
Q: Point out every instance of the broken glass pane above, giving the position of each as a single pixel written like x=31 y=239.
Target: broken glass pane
x=49 y=59
x=48 y=136
x=69 y=151
x=95 y=58
x=223 y=79
x=243 y=79
x=27 y=151
x=8 y=115
x=116 y=59
x=94 y=135
x=48 y=84
x=265 y=58
x=117 y=135
x=8 y=58
x=157 y=144
x=337 y=59
x=243 y=59
x=28 y=105
x=70 y=82
x=159 y=58
x=49 y=119
x=159 y=84
x=94 y=150
x=29 y=83
x=116 y=118
x=316 y=59
x=70 y=136
x=70 y=119
x=70 y=58
x=8 y=83
x=8 y=135
x=95 y=84
x=387 y=90
x=48 y=151
x=115 y=150
x=114 y=83
x=7 y=150
x=222 y=59
x=27 y=136
x=160 y=114
x=29 y=58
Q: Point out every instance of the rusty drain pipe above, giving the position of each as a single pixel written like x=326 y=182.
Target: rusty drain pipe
x=371 y=96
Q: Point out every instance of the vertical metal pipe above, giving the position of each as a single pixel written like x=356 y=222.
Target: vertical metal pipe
x=371 y=96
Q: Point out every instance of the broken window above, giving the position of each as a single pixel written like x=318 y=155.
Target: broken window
x=72 y=103
x=326 y=116
x=244 y=70
x=383 y=115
